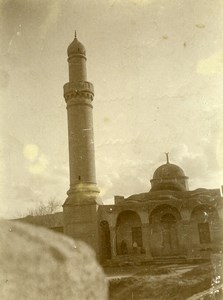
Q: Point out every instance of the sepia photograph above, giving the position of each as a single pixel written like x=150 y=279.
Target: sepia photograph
x=111 y=149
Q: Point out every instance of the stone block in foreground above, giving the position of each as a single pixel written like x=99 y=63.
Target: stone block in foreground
x=36 y=263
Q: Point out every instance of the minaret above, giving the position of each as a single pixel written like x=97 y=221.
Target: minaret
x=80 y=207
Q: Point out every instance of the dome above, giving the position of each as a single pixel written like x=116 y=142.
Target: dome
x=168 y=171
x=76 y=48
x=169 y=177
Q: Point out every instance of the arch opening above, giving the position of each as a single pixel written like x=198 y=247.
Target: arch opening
x=129 y=233
x=164 y=234
x=204 y=217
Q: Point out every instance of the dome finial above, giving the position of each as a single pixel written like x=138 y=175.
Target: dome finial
x=75 y=34
x=167 y=157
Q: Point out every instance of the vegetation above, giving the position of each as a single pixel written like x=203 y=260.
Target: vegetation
x=165 y=283
x=42 y=209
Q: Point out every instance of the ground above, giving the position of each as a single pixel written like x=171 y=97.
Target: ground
x=169 y=282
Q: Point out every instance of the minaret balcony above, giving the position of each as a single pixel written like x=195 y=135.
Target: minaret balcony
x=81 y=86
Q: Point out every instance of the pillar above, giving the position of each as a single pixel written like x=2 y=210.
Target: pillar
x=145 y=238
x=113 y=241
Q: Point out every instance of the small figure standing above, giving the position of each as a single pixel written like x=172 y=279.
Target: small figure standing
x=135 y=247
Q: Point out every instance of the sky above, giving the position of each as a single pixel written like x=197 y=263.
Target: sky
x=157 y=70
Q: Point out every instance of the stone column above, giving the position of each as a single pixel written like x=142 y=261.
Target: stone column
x=184 y=233
x=186 y=239
x=145 y=238
x=113 y=241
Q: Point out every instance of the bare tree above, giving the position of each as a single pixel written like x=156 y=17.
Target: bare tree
x=44 y=214
x=42 y=209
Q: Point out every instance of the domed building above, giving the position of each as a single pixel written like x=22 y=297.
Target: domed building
x=169 y=222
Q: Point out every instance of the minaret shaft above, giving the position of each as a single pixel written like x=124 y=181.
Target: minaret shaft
x=81 y=142
x=77 y=68
x=79 y=93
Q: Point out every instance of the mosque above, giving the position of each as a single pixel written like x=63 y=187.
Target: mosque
x=167 y=222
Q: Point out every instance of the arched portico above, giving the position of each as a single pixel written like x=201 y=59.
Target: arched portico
x=128 y=233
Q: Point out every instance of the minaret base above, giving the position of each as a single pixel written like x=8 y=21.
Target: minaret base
x=80 y=214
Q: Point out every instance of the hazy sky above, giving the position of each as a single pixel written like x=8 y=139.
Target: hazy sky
x=157 y=70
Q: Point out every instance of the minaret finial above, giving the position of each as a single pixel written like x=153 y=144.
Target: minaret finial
x=167 y=157
x=75 y=34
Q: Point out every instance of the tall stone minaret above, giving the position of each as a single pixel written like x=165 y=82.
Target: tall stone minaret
x=80 y=207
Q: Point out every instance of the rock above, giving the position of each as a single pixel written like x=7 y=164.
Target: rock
x=36 y=263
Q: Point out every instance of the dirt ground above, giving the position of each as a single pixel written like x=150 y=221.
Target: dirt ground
x=169 y=282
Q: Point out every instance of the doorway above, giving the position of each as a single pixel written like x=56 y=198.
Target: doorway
x=169 y=235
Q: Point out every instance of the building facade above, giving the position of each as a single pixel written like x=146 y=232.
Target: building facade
x=169 y=221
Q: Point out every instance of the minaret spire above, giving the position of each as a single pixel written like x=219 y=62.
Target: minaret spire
x=167 y=157
x=75 y=34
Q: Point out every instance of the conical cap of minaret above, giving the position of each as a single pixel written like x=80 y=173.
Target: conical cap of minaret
x=77 y=61
x=76 y=48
